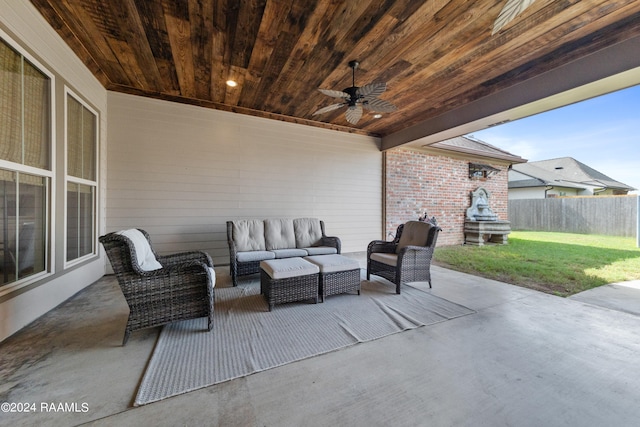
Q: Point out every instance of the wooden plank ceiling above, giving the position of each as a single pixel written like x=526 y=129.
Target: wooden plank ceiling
x=434 y=55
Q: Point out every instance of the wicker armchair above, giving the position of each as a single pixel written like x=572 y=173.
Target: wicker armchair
x=407 y=258
x=183 y=288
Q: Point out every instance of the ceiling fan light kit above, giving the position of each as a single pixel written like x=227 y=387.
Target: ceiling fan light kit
x=356 y=98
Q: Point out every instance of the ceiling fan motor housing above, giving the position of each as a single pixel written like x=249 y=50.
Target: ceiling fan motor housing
x=353 y=94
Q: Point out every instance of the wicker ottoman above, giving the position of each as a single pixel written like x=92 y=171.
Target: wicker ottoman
x=338 y=274
x=288 y=280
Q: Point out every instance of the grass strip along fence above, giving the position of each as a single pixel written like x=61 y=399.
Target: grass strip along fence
x=562 y=264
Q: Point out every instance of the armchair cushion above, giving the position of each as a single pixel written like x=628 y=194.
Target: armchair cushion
x=308 y=232
x=385 y=258
x=279 y=234
x=144 y=255
x=415 y=233
x=212 y=273
x=248 y=235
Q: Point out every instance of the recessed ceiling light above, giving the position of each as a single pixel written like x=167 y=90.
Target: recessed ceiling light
x=231 y=83
x=377 y=116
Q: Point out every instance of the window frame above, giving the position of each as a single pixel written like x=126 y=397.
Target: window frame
x=48 y=174
x=68 y=92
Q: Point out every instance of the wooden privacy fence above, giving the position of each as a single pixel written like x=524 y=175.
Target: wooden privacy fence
x=608 y=215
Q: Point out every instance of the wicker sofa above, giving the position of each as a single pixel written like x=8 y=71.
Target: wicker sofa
x=254 y=240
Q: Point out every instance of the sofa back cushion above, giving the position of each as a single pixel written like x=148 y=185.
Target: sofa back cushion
x=248 y=235
x=414 y=233
x=308 y=232
x=279 y=234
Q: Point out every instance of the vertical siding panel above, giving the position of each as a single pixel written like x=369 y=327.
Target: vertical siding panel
x=181 y=172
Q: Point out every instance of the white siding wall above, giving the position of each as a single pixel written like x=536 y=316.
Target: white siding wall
x=526 y=193
x=540 y=193
x=562 y=191
x=514 y=175
x=180 y=172
x=25 y=25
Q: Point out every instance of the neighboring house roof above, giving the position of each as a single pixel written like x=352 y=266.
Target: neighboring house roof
x=472 y=146
x=538 y=177
x=568 y=172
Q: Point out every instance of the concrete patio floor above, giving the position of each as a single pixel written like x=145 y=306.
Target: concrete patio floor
x=523 y=359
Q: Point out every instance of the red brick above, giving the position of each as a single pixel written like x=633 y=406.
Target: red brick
x=418 y=182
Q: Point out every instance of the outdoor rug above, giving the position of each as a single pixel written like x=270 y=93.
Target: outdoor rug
x=247 y=338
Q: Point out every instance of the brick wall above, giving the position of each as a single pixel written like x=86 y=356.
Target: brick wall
x=418 y=182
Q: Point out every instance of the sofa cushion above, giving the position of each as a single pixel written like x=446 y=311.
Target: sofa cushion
x=308 y=232
x=278 y=234
x=254 y=256
x=289 y=253
x=248 y=235
x=414 y=233
x=321 y=250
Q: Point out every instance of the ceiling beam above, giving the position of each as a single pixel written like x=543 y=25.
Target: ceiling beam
x=544 y=92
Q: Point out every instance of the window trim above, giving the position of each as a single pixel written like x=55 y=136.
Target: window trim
x=75 y=180
x=50 y=202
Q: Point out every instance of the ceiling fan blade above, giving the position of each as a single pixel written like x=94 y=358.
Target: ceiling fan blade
x=335 y=93
x=378 y=105
x=372 y=90
x=329 y=108
x=353 y=114
x=510 y=10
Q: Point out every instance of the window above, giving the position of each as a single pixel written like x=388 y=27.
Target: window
x=25 y=165
x=81 y=140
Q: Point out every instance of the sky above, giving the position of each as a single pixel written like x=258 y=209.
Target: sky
x=602 y=132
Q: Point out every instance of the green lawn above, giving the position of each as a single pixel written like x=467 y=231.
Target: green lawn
x=558 y=263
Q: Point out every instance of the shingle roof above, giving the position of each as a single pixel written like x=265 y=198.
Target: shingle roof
x=569 y=171
x=469 y=145
x=539 y=177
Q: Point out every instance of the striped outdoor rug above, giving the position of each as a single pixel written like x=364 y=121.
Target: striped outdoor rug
x=247 y=338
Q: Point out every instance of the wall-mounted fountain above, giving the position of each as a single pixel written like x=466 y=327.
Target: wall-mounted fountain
x=481 y=225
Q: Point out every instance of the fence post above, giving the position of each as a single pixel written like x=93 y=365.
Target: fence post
x=638 y=223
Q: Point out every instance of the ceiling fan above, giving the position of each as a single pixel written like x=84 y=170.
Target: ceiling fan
x=356 y=98
x=511 y=9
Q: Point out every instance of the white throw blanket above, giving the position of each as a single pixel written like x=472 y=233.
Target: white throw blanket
x=146 y=259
